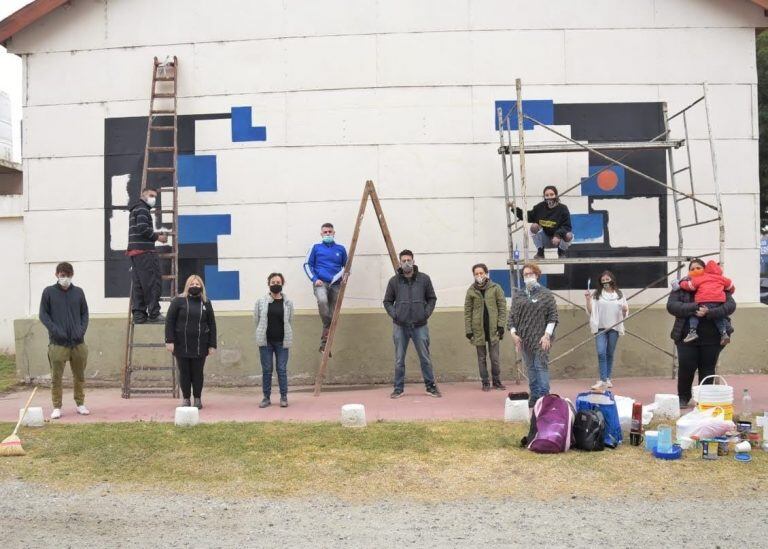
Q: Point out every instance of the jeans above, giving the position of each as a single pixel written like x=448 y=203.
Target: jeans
x=326 y=296
x=482 y=363
x=420 y=336
x=606 y=345
x=538 y=374
x=541 y=240
x=58 y=356
x=720 y=323
x=268 y=353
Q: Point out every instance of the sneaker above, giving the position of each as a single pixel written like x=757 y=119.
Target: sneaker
x=156 y=319
x=82 y=410
x=685 y=404
x=433 y=391
x=692 y=336
x=140 y=320
x=186 y=402
x=499 y=385
x=265 y=402
x=396 y=394
x=725 y=340
x=56 y=414
x=539 y=253
x=486 y=387
x=283 y=402
x=598 y=386
x=608 y=383
x=198 y=403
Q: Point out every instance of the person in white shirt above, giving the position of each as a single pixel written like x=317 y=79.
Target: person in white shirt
x=607 y=308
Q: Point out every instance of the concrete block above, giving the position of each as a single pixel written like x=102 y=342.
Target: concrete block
x=186 y=416
x=353 y=415
x=667 y=406
x=33 y=418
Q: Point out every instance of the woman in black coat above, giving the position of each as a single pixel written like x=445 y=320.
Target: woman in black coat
x=701 y=354
x=190 y=334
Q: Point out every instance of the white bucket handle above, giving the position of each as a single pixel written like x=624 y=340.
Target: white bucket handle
x=725 y=382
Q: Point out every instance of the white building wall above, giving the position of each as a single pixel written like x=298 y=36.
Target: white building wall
x=399 y=92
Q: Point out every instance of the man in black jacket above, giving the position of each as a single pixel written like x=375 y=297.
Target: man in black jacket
x=410 y=300
x=145 y=265
x=64 y=312
x=550 y=224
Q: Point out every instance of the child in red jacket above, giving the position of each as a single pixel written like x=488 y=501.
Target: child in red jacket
x=710 y=286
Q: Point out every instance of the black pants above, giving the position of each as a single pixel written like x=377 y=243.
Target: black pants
x=692 y=358
x=191 y=375
x=147 y=285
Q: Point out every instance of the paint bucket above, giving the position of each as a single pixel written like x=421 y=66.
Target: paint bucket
x=709 y=448
x=667 y=406
x=33 y=418
x=187 y=416
x=353 y=415
x=727 y=409
x=516 y=411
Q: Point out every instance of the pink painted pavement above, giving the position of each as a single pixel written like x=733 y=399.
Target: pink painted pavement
x=460 y=401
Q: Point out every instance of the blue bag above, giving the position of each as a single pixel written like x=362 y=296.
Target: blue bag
x=607 y=405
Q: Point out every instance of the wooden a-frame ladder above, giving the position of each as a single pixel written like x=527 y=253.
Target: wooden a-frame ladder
x=368 y=192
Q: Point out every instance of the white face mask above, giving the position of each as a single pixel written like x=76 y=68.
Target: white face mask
x=530 y=281
x=151 y=201
x=65 y=281
x=480 y=279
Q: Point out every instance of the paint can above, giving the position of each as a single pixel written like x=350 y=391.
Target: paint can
x=709 y=449
x=754 y=438
x=722 y=446
x=743 y=428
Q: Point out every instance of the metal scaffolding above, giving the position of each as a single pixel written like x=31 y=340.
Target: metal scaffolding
x=508 y=149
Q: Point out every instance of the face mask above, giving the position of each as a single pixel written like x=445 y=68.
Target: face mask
x=696 y=272
x=195 y=290
x=531 y=282
x=480 y=279
x=150 y=200
x=65 y=281
x=607 y=285
x=551 y=202
x=407 y=266
x=276 y=288
x=327 y=239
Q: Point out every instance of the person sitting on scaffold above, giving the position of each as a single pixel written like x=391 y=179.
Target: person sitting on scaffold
x=550 y=223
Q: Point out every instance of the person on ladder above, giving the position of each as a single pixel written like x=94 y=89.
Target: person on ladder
x=145 y=265
x=324 y=267
x=550 y=223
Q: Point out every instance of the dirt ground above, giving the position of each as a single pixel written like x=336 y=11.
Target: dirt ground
x=34 y=516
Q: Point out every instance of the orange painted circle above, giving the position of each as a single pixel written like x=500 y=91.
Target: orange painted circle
x=607 y=180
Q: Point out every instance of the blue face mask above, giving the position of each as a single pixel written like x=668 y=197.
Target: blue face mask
x=327 y=239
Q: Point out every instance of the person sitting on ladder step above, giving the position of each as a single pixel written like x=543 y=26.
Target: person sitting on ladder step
x=550 y=223
x=145 y=265
x=324 y=267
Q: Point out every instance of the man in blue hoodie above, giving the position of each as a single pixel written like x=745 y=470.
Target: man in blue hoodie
x=325 y=267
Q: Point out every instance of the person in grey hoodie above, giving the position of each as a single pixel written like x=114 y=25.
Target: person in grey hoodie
x=410 y=300
x=274 y=335
x=64 y=313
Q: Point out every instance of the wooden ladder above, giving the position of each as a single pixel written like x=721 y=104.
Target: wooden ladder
x=160 y=173
x=368 y=192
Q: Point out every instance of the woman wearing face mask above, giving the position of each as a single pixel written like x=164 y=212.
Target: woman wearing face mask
x=485 y=312
x=190 y=334
x=532 y=322
x=607 y=309
x=702 y=353
x=550 y=223
x=274 y=334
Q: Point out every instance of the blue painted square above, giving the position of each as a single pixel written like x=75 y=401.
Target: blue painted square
x=588 y=228
x=198 y=171
x=203 y=229
x=242 y=129
x=501 y=277
x=221 y=284
x=604 y=181
x=542 y=110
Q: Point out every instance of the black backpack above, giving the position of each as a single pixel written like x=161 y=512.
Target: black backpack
x=589 y=430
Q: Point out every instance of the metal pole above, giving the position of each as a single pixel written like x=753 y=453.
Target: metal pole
x=714 y=175
x=523 y=178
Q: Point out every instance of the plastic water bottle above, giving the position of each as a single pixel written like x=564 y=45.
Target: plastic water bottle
x=746 y=406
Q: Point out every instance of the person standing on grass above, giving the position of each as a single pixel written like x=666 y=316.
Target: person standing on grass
x=273 y=315
x=485 y=315
x=410 y=300
x=532 y=322
x=190 y=334
x=64 y=313
x=607 y=308
x=324 y=266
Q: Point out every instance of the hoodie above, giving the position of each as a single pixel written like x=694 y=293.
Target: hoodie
x=710 y=286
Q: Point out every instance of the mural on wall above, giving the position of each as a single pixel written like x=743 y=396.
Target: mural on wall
x=125 y=139
x=626 y=215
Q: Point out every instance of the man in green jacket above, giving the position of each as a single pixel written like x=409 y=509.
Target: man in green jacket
x=485 y=315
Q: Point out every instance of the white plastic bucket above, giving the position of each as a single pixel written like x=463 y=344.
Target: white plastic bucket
x=353 y=415
x=715 y=393
x=34 y=417
x=516 y=411
x=187 y=416
x=667 y=406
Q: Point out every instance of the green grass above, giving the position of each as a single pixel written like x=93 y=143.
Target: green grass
x=423 y=461
x=7 y=373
